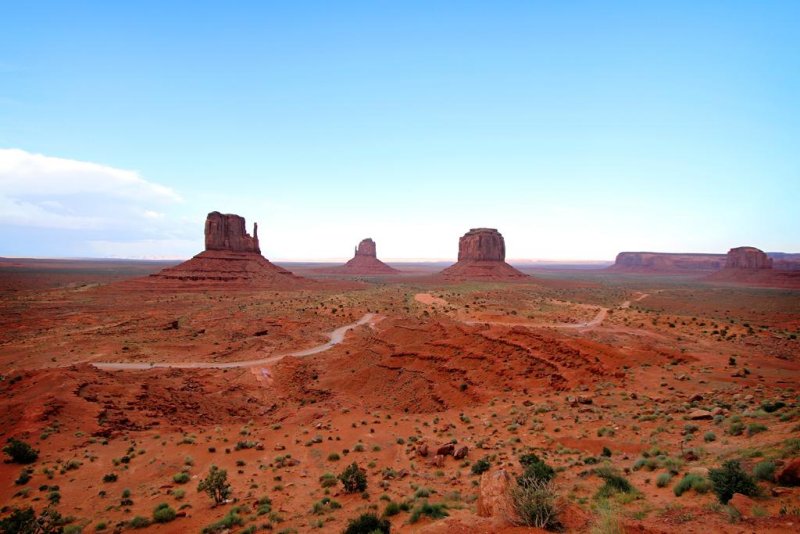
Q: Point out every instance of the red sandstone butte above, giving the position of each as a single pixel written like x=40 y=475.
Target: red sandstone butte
x=666 y=261
x=481 y=255
x=747 y=258
x=232 y=259
x=364 y=262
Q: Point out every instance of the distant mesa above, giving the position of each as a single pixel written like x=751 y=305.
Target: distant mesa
x=364 y=262
x=232 y=259
x=747 y=258
x=664 y=261
x=481 y=256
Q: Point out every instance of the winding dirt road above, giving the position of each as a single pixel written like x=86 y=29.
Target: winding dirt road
x=336 y=337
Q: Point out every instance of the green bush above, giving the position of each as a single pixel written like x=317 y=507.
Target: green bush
x=481 y=466
x=434 y=511
x=228 y=521
x=755 y=428
x=709 y=436
x=535 y=502
x=693 y=481
x=537 y=471
x=139 y=522
x=163 y=513
x=216 y=484
x=353 y=478
x=730 y=479
x=368 y=524
x=110 y=477
x=20 y=452
x=663 y=479
x=614 y=483
x=764 y=470
x=736 y=428
x=392 y=508
x=181 y=478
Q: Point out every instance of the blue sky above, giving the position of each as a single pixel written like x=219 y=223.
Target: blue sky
x=579 y=129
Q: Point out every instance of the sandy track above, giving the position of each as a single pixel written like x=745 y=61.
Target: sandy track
x=336 y=337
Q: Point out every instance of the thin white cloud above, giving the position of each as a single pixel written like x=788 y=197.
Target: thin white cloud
x=24 y=174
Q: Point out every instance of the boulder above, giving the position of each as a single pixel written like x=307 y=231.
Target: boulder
x=461 y=452
x=698 y=415
x=446 y=450
x=422 y=449
x=790 y=474
x=742 y=504
x=494 y=499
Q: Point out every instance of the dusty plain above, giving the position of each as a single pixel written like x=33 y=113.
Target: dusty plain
x=584 y=368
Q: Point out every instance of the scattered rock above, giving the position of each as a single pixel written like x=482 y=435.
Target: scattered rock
x=790 y=474
x=742 y=504
x=446 y=450
x=494 y=499
x=461 y=452
x=422 y=449
x=698 y=415
x=438 y=460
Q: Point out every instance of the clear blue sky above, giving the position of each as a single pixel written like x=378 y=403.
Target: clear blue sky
x=578 y=129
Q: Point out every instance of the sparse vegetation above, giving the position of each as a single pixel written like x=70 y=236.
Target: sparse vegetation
x=353 y=478
x=216 y=484
x=730 y=479
x=20 y=452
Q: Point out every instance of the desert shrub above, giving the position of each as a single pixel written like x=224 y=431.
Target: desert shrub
x=663 y=479
x=736 y=428
x=228 y=521
x=764 y=470
x=327 y=480
x=24 y=476
x=607 y=522
x=110 y=477
x=755 y=428
x=770 y=407
x=481 y=466
x=263 y=506
x=709 y=436
x=20 y=452
x=368 y=524
x=101 y=526
x=333 y=457
x=534 y=501
x=392 y=508
x=139 y=522
x=21 y=520
x=181 y=478
x=216 y=484
x=536 y=471
x=614 y=483
x=353 y=479
x=692 y=481
x=434 y=511
x=730 y=479
x=163 y=513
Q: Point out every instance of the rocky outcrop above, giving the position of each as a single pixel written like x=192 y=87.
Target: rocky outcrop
x=747 y=258
x=232 y=260
x=227 y=232
x=494 y=498
x=664 y=261
x=365 y=262
x=482 y=244
x=481 y=256
x=366 y=249
x=790 y=474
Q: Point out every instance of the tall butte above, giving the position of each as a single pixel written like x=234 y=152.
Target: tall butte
x=482 y=256
x=365 y=261
x=232 y=259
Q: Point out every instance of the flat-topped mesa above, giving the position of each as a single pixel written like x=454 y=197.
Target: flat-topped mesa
x=482 y=244
x=366 y=248
x=667 y=261
x=747 y=258
x=481 y=256
x=228 y=232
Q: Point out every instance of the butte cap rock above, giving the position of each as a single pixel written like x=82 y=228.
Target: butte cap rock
x=365 y=261
x=747 y=258
x=232 y=260
x=481 y=255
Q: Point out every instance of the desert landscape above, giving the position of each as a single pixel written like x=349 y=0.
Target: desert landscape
x=422 y=402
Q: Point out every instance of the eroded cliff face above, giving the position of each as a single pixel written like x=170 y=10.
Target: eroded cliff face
x=482 y=244
x=366 y=248
x=747 y=258
x=481 y=256
x=228 y=232
x=662 y=261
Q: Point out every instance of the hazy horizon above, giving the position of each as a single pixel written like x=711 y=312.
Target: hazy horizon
x=578 y=131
